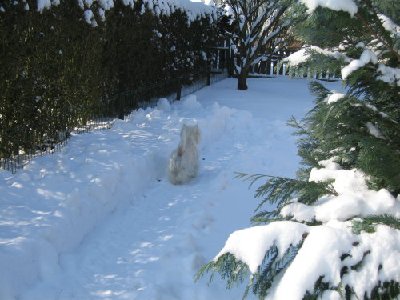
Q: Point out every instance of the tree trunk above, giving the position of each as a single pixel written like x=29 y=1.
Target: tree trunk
x=242 y=78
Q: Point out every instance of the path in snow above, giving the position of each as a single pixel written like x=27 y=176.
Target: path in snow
x=151 y=247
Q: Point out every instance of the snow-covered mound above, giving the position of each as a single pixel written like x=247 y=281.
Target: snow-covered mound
x=51 y=205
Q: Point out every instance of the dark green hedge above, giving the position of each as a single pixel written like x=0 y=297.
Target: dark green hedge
x=57 y=71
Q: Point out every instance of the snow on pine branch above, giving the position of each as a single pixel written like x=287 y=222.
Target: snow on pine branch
x=366 y=57
x=354 y=198
x=389 y=25
x=322 y=255
x=326 y=250
x=259 y=239
x=334 y=97
x=302 y=55
x=389 y=74
x=344 y=5
x=330 y=251
x=385 y=73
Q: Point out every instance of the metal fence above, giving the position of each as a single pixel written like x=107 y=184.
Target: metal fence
x=119 y=106
x=275 y=65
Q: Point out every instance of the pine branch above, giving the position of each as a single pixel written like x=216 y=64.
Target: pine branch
x=230 y=269
x=281 y=190
x=234 y=271
x=318 y=90
x=378 y=30
x=300 y=128
x=367 y=224
x=272 y=267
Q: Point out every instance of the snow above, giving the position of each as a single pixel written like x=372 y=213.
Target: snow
x=331 y=295
x=99 y=220
x=302 y=55
x=344 y=5
x=385 y=73
x=389 y=74
x=322 y=255
x=373 y=130
x=366 y=57
x=89 y=17
x=102 y=14
x=194 y=10
x=353 y=199
x=298 y=57
x=384 y=246
x=43 y=4
x=334 y=97
x=249 y=245
x=108 y=4
x=389 y=25
x=319 y=255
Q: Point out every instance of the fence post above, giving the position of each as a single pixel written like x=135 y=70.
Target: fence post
x=208 y=83
x=120 y=107
x=178 y=90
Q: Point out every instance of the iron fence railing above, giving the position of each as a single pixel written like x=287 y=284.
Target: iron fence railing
x=117 y=106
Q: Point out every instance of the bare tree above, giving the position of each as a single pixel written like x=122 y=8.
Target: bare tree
x=256 y=29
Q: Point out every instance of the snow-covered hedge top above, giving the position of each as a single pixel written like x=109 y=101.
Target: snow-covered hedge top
x=194 y=10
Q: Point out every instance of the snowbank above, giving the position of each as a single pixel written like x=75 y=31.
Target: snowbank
x=55 y=201
x=50 y=206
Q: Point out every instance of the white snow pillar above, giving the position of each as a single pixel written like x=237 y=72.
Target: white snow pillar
x=284 y=69
x=271 y=71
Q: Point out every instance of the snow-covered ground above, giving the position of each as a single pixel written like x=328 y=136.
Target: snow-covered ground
x=99 y=220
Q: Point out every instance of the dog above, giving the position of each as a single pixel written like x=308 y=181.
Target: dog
x=184 y=161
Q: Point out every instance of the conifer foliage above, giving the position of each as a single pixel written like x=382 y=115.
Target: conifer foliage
x=333 y=232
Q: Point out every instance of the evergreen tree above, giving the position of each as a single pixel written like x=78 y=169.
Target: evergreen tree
x=334 y=231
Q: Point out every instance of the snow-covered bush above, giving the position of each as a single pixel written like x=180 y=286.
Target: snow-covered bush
x=334 y=231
